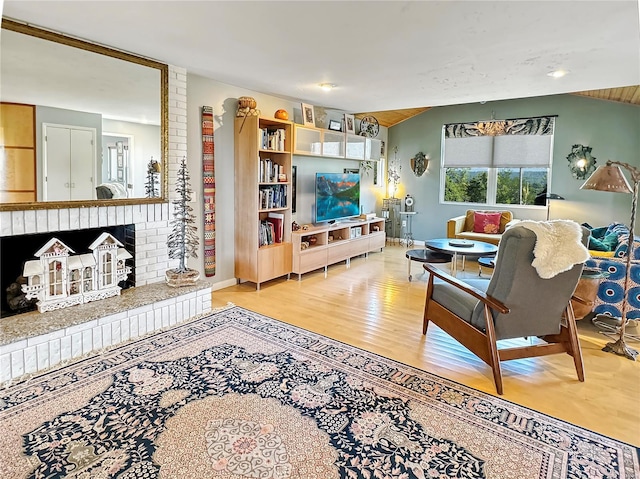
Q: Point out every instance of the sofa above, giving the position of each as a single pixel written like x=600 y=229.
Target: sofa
x=480 y=225
x=611 y=259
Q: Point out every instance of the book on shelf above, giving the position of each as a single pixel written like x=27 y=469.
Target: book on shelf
x=266 y=233
x=277 y=219
x=269 y=171
x=272 y=196
x=271 y=138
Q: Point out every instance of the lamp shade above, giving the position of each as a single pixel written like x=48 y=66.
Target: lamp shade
x=607 y=178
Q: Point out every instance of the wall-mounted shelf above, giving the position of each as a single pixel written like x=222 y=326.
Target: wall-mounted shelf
x=310 y=141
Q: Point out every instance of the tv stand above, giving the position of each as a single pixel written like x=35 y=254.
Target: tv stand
x=334 y=243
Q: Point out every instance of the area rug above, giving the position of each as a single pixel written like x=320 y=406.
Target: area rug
x=240 y=395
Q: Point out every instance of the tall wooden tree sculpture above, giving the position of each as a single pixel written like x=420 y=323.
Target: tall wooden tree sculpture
x=183 y=241
x=153 y=181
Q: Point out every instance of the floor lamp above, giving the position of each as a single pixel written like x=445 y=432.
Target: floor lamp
x=552 y=196
x=611 y=178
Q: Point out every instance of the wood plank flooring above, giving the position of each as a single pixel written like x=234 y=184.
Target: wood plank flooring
x=373 y=306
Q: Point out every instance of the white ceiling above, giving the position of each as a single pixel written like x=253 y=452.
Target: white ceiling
x=383 y=55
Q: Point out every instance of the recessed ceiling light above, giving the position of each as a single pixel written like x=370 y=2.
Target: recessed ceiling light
x=557 y=73
x=327 y=86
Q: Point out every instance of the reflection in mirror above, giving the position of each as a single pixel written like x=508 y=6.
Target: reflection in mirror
x=78 y=122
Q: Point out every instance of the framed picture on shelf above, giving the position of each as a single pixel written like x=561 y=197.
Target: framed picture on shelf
x=349 y=123
x=308 y=118
x=335 y=125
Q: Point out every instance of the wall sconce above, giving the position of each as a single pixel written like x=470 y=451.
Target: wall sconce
x=419 y=164
x=581 y=163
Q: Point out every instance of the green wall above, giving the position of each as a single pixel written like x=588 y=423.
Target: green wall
x=611 y=129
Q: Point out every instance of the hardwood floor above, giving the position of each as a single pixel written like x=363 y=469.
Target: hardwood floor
x=373 y=306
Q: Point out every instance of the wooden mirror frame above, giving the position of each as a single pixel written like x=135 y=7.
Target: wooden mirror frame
x=18 y=27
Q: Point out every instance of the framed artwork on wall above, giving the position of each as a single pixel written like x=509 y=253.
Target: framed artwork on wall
x=349 y=123
x=335 y=125
x=308 y=118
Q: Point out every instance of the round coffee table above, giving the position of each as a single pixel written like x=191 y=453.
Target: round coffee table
x=425 y=256
x=455 y=247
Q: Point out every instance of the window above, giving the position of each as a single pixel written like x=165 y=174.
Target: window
x=502 y=162
x=55 y=278
x=107 y=273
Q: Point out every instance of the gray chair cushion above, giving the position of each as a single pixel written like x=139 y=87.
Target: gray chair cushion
x=460 y=303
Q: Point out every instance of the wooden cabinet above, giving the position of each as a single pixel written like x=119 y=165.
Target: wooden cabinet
x=320 y=246
x=263 y=148
x=18 y=163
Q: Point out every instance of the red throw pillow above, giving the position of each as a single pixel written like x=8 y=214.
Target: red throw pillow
x=486 y=222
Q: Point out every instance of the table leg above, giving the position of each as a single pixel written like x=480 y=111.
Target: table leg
x=454 y=264
x=409 y=268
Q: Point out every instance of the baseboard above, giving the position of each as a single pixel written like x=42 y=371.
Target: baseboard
x=223 y=284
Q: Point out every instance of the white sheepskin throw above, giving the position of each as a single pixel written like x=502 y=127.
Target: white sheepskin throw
x=558 y=246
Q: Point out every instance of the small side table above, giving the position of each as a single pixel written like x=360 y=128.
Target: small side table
x=407 y=237
x=424 y=256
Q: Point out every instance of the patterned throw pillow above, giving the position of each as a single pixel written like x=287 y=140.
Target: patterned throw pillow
x=486 y=222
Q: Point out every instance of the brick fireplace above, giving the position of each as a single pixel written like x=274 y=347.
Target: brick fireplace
x=31 y=342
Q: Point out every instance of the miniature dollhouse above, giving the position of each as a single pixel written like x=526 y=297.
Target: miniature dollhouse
x=59 y=279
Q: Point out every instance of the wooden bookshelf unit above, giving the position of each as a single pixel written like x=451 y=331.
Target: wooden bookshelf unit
x=263 y=149
x=335 y=243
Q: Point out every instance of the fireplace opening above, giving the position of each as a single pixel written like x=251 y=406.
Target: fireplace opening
x=16 y=250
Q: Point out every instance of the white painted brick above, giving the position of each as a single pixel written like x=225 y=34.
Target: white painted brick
x=97 y=337
x=198 y=306
x=53 y=220
x=6 y=223
x=111 y=215
x=165 y=316
x=142 y=324
x=148 y=214
x=157 y=319
x=128 y=214
x=133 y=326
x=42 y=351
x=17 y=223
x=120 y=215
x=179 y=311
x=125 y=333
x=80 y=327
x=192 y=307
x=41 y=221
x=5 y=367
x=87 y=341
x=112 y=317
x=206 y=306
x=30 y=360
x=30 y=222
x=76 y=345
x=74 y=218
x=65 y=348
x=17 y=363
x=116 y=335
x=158 y=211
x=54 y=351
x=103 y=218
x=139 y=216
x=86 y=217
x=15 y=346
x=107 y=339
x=172 y=314
x=149 y=321
x=64 y=220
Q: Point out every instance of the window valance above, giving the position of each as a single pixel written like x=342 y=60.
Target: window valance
x=516 y=143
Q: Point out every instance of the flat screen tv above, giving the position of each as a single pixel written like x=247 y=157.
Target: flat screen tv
x=337 y=196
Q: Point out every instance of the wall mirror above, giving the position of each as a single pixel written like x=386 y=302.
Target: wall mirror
x=77 y=118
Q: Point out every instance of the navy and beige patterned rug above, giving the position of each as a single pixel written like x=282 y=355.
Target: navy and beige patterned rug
x=240 y=395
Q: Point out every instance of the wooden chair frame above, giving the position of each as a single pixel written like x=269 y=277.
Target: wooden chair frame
x=484 y=344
